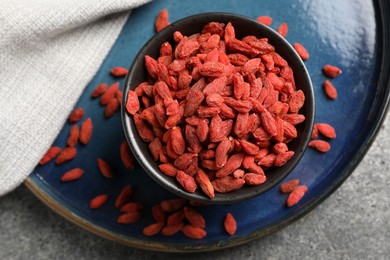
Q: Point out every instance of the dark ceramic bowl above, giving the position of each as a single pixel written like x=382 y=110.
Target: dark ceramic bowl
x=243 y=26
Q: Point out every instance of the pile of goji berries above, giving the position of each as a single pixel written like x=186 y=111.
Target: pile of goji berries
x=216 y=112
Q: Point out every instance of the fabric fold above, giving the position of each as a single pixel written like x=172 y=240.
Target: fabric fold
x=49 y=51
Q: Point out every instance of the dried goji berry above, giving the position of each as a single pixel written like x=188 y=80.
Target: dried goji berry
x=128 y=218
x=131 y=206
x=302 y=52
x=283 y=29
x=329 y=89
x=72 y=175
x=86 y=131
x=194 y=217
x=289 y=186
x=76 y=115
x=124 y=196
x=227 y=184
x=204 y=183
x=127 y=156
x=176 y=218
x=296 y=195
x=331 y=71
x=73 y=136
x=66 y=154
x=158 y=213
x=50 y=154
x=186 y=181
x=326 y=130
x=118 y=72
x=99 y=90
x=161 y=20
x=320 y=145
x=109 y=94
x=254 y=178
x=172 y=205
x=152 y=229
x=132 y=103
x=105 y=168
x=171 y=230
x=230 y=224
x=98 y=201
x=193 y=232
x=111 y=107
x=267 y=20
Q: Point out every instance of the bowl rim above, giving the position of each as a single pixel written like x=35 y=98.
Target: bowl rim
x=158 y=176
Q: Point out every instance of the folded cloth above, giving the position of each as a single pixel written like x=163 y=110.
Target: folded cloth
x=49 y=51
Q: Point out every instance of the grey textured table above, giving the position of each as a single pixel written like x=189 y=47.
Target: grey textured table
x=353 y=223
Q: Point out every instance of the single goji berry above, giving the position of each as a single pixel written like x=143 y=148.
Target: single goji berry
x=296 y=195
x=124 y=196
x=98 y=201
x=230 y=224
x=302 y=52
x=283 y=29
x=76 y=115
x=152 y=229
x=267 y=20
x=86 y=131
x=99 y=90
x=66 y=154
x=105 y=168
x=73 y=136
x=72 y=175
x=50 y=154
x=320 y=145
x=331 y=71
x=161 y=20
x=118 y=72
x=329 y=89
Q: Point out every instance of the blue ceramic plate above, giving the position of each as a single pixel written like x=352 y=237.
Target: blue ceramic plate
x=349 y=34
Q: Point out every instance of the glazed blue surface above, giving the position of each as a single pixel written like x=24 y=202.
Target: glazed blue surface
x=342 y=33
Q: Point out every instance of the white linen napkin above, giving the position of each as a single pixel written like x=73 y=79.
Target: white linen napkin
x=49 y=51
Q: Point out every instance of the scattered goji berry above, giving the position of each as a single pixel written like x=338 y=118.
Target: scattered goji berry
x=127 y=156
x=283 y=29
x=118 y=72
x=99 y=90
x=326 y=130
x=230 y=224
x=105 y=168
x=76 y=115
x=128 y=218
x=124 y=196
x=86 y=131
x=302 y=52
x=50 y=154
x=320 y=145
x=296 y=195
x=267 y=20
x=152 y=229
x=73 y=136
x=331 y=71
x=289 y=186
x=72 y=175
x=66 y=154
x=329 y=89
x=98 y=201
x=161 y=20
x=193 y=232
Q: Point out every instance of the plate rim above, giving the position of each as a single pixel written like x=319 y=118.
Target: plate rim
x=383 y=7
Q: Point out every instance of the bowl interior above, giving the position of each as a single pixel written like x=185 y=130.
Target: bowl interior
x=243 y=26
